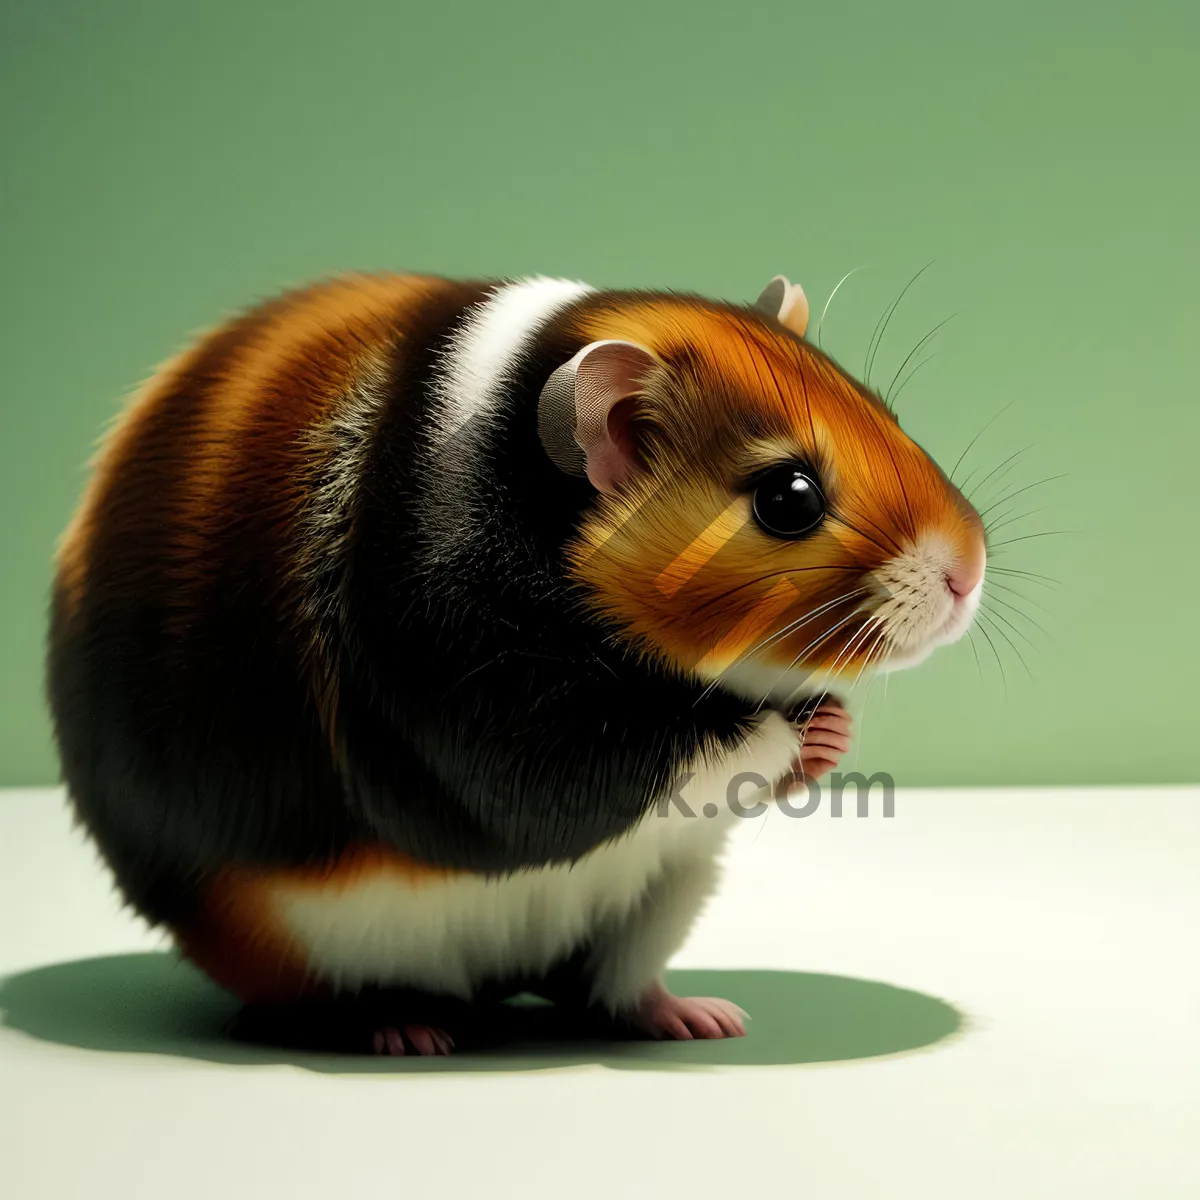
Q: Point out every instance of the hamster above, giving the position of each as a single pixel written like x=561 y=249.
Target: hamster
x=423 y=639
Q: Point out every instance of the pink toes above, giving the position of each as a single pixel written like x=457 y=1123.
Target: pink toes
x=686 y=1018
x=425 y=1040
x=825 y=737
x=658 y=1014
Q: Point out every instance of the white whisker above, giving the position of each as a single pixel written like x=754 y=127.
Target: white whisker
x=811 y=645
x=880 y=644
x=792 y=626
x=821 y=321
x=812 y=614
x=872 y=624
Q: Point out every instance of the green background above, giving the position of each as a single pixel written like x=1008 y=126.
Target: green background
x=167 y=162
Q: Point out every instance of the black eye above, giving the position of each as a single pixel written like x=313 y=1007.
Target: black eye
x=787 y=502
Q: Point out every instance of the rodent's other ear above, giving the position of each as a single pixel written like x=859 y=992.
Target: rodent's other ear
x=786 y=302
x=582 y=422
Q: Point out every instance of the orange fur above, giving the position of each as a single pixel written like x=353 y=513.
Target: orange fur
x=118 y=445
x=677 y=559
x=212 y=457
x=290 y=372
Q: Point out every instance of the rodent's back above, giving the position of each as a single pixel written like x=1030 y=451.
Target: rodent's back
x=185 y=713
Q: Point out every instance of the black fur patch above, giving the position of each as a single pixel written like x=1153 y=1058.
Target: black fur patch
x=486 y=721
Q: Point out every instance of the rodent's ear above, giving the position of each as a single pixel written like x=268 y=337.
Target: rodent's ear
x=786 y=302
x=582 y=422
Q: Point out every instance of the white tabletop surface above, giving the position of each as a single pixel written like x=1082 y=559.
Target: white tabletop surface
x=1058 y=929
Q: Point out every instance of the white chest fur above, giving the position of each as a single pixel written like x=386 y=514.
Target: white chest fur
x=447 y=934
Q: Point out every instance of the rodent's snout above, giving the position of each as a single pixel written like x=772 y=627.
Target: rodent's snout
x=964 y=574
x=931 y=593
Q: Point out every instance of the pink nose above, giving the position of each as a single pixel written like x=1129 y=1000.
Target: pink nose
x=963 y=578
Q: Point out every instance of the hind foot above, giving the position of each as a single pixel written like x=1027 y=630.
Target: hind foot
x=396 y=1040
x=370 y=1023
x=685 y=1018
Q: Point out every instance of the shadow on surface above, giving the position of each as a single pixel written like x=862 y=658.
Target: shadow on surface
x=155 y=1004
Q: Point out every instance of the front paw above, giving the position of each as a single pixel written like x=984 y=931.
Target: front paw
x=824 y=733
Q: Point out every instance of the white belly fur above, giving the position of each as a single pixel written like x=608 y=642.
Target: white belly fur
x=448 y=935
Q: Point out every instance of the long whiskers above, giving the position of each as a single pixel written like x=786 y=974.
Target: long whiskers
x=821 y=321
x=1027 y=488
x=1046 y=581
x=916 y=349
x=998 y=616
x=1011 y=519
x=989 y=617
x=802 y=621
x=996 y=653
x=880 y=640
x=847 y=651
x=1009 y=462
x=790 y=627
x=974 y=649
x=841 y=623
x=908 y=379
x=881 y=328
x=1025 y=537
x=880 y=644
x=995 y=583
x=979 y=435
x=1020 y=611
x=875 y=622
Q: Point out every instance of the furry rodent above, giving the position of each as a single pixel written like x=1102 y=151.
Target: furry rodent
x=398 y=606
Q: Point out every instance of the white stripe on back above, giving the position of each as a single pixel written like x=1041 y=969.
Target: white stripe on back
x=482 y=352
x=467 y=385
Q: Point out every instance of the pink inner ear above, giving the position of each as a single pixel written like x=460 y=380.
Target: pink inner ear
x=613 y=458
x=605 y=383
x=620 y=428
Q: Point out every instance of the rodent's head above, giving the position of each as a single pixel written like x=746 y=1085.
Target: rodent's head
x=761 y=517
